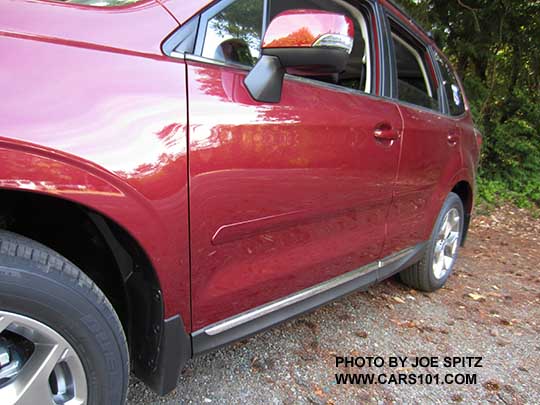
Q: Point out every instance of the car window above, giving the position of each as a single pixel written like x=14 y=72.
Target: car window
x=415 y=85
x=234 y=34
x=450 y=83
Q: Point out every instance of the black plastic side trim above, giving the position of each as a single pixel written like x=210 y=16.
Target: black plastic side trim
x=143 y=318
x=465 y=229
x=399 y=265
x=203 y=342
x=174 y=352
x=183 y=39
x=305 y=61
x=122 y=258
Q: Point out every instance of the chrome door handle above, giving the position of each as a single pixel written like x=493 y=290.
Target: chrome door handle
x=386 y=132
x=453 y=138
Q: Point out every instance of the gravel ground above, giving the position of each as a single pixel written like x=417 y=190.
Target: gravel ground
x=489 y=308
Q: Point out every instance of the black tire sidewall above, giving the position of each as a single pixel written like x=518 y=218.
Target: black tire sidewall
x=70 y=309
x=452 y=201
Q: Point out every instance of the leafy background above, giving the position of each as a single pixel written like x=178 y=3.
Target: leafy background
x=495 y=47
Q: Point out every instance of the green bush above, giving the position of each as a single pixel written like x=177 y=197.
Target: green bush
x=494 y=46
x=511 y=158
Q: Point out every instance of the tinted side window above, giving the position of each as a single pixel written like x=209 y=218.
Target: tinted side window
x=234 y=34
x=456 y=102
x=415 y=84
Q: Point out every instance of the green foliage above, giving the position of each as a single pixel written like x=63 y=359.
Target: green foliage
x=495 y=48
x=242 y=19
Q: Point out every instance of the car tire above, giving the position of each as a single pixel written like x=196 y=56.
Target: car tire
x=58 y=324
x=437 y=263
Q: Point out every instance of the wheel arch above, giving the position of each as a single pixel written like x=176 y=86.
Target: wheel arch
x=465 y=192
x=130 y=282
x=461 y=183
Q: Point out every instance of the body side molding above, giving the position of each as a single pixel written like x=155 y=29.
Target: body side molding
x=268 y=315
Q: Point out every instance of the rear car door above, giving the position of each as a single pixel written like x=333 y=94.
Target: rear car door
x=282 y=196
x=457 y=111
x=430 y=151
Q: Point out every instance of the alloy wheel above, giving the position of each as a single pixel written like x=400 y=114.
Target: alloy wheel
x=447 y=243
x=37 y=365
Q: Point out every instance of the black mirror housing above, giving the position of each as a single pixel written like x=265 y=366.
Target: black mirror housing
x=303 y=42
x=265 y=81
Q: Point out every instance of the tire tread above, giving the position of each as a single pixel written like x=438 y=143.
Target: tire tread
x=417 y=276
x=49 y=261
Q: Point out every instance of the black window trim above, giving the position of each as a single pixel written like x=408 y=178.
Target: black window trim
x=210 y=13
x=386 y=52
x=182 y=41
x=367 y=8
x=181 y=44
x=174 y=47
x=440 y=89
x=437 y=53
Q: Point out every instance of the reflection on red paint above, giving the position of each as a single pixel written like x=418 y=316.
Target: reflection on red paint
x=283 y=196
x=101 y=122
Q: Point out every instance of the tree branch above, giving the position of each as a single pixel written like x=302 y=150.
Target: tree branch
x=473 y=11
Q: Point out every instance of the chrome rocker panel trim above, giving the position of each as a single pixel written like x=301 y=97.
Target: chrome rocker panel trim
x=268 y=315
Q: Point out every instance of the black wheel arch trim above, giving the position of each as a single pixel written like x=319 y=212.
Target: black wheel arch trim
x=466 y=225
x=173 y=353
x=145 y=328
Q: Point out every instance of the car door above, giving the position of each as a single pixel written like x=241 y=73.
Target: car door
x=282 y=196
x=457 y=111
x=430 y=138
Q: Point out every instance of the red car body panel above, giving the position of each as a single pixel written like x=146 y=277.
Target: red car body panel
x=427 y=160
x=115 y=141
x=75 y=25
x=280 y=197
x=183 y=10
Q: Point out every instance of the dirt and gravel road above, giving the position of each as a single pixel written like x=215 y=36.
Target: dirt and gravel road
x=489 y=308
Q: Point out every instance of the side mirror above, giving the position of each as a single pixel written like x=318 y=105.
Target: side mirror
x=306 y=42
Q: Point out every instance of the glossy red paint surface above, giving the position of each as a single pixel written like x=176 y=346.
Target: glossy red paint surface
x=96 y=27
x=281 y=196
x=302 y=28
x=98 y=126
x=427 y=161
x=183 y=10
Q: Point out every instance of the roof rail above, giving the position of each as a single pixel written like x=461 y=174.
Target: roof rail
x=409 y=17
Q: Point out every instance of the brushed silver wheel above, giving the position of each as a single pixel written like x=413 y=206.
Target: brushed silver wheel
x=37 y=365
x=446 y=245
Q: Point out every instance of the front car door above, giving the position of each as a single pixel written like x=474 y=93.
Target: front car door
x=282 y=196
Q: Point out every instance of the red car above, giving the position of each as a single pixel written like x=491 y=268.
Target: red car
x=179 y=174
